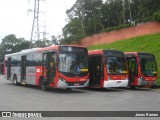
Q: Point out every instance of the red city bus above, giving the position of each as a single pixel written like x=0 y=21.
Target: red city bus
x=55 y=66
x=107 y=68
x=142 y=69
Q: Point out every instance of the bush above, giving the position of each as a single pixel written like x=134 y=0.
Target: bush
x=146 y=19
x=156 y=16
x=116 y=28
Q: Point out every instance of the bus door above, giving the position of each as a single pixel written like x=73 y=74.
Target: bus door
x=95 y=66
x=132 y=68
x=8 y=68
x=23 y=68
x=49 y=67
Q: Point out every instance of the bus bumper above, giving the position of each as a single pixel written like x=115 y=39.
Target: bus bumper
x=141 y=81
x=115 y=83
x=63 y=84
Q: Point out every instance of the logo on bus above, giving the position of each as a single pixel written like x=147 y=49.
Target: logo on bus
x=78 y=69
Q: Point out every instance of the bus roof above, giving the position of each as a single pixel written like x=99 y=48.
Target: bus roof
x=136 y=53
x=101 y=51
x=56 y=46
x=24 y=51
x=41 y=49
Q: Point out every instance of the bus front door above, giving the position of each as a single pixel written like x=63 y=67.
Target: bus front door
x=8 y=68
x=23 y=68
x=95 y=63
x=49 y=67
x=132 y=69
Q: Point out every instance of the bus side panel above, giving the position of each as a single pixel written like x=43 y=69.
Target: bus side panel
x=55 y=79
x=30 y=75
x=38 y=74
x=5 y=73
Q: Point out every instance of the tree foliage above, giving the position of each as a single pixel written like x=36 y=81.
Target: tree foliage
x=156 y=16
x=11 y=44
x=87 y=17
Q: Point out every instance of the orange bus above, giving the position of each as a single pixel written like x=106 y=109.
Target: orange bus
x=107 y=68
x=55 y=66
x=142 y=69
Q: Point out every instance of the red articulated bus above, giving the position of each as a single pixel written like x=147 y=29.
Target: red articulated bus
x=142 y=69
x=55 y=66
x=107 y=68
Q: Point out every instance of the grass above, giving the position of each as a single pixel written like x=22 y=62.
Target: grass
x=147 y=43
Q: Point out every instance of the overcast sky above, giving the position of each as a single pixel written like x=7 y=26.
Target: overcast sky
x=14 y=18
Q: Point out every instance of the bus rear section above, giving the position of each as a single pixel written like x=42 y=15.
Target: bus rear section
x=107 y=68
x=55 y=66
x=142 y=68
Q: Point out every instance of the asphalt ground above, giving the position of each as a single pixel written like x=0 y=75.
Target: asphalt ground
x=30 y=98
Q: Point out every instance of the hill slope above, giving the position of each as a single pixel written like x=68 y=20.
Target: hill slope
x=147 y=43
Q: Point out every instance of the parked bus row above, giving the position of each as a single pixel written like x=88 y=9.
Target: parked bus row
x=74 y=67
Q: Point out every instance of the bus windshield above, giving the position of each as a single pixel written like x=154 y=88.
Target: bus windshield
x=116 y=65
x=73 y=62
x=148 y=64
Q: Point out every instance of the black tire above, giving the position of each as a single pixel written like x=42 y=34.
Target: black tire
x=42 y=86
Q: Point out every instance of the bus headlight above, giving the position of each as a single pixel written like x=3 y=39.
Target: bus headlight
x=141 y=78
x=62 y=83
x=61 y=79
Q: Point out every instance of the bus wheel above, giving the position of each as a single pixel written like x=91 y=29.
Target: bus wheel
x=15 y=80
x=42 y=86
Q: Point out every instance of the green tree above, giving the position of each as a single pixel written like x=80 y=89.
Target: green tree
x=73 y=28
x=88 y=17
x=11 y=44
x=8 y=43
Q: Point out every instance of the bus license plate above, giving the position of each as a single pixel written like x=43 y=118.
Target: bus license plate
x=76 y=84
x=118 y=81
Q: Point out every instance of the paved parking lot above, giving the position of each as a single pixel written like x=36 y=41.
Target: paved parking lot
x=30 y=98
